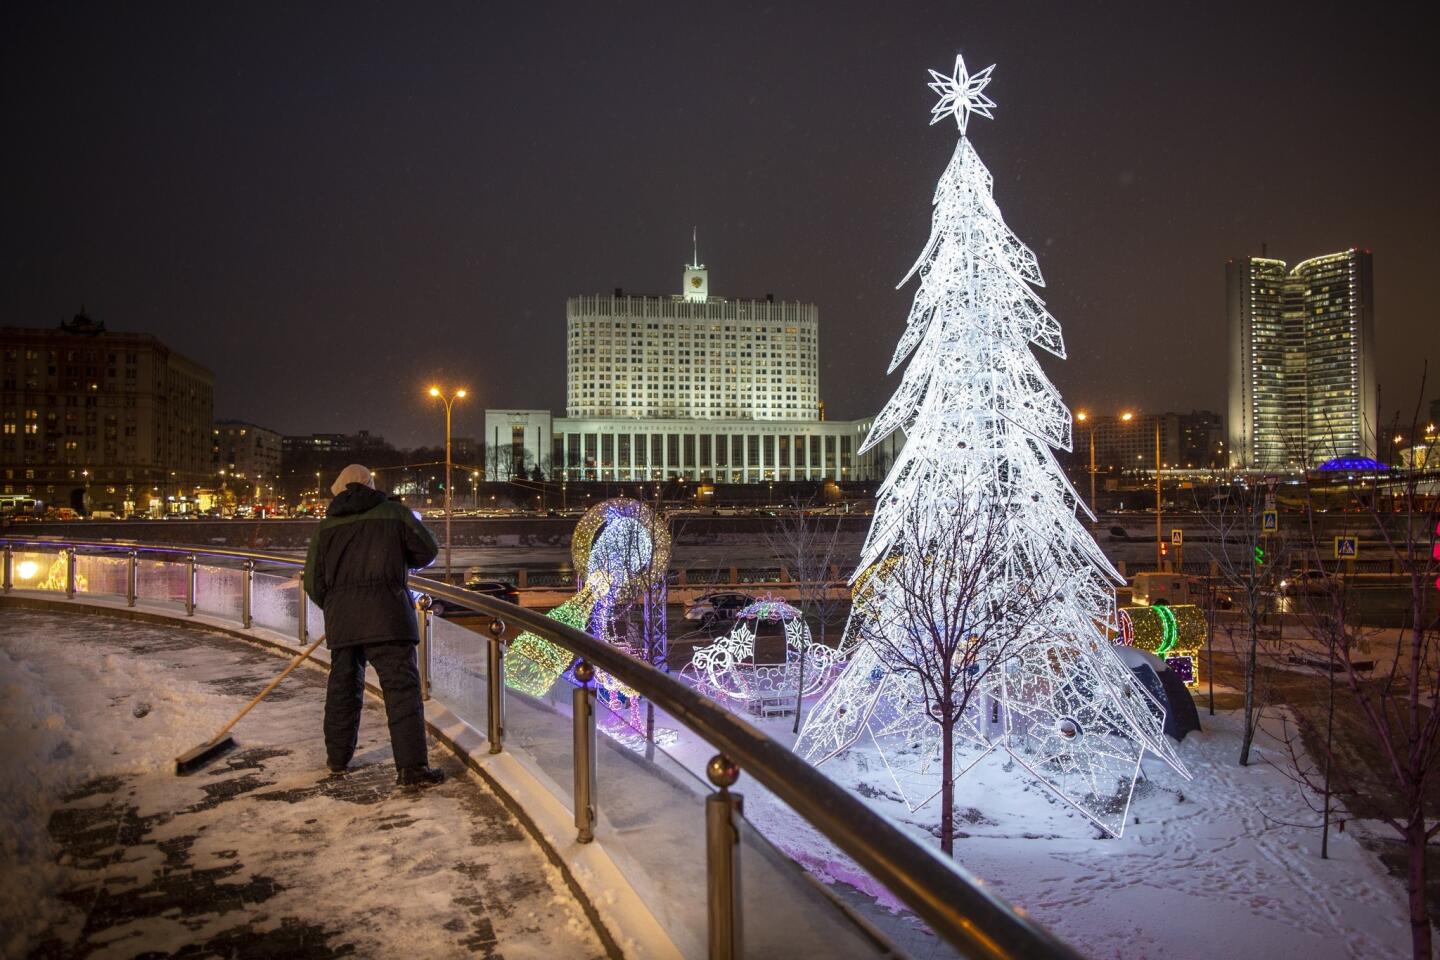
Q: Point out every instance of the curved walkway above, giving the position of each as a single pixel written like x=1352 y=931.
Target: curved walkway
x=261 y=854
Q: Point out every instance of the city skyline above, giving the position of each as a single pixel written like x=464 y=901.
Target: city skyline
x=350 y=208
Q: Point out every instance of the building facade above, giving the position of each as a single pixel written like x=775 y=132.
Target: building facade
x=692 y=356
x=102 y=420
x=1193 y=440
x=247 y=457
x=1301 y=360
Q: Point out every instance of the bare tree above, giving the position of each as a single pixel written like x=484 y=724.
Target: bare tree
x=1391 y=724
x=931 y=611
x=807 y=544
x=1250 y=562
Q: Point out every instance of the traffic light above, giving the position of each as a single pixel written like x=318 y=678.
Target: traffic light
x=1164 y=549
x=1259 y=555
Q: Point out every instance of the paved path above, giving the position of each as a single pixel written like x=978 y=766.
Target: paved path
x=261 y=854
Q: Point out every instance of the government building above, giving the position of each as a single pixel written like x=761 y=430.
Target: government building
x=1301 y=360
x=686 y=386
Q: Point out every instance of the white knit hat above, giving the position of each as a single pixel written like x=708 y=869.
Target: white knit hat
x=355 y=473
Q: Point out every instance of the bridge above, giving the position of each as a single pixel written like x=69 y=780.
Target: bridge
x=564 y=828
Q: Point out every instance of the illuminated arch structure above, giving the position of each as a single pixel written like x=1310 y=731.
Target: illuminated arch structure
x=621 y=553
x=727 y=670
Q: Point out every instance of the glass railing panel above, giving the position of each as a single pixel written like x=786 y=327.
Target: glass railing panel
x=218 y=591
x=788 y=912
x=101 y=575
x=650 y=813
x=459 y=673
x=161 y=582
x=38 y=570
x=274 y=601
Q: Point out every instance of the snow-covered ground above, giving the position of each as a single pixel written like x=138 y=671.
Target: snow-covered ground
x=1207 y=868
x=107 y=853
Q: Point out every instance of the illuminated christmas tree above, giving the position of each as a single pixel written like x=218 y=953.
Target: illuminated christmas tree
x=977 y=514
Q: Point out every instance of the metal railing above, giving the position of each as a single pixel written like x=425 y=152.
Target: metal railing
x=954 y=904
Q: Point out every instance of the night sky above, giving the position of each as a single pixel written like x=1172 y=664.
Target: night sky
x=331 y=204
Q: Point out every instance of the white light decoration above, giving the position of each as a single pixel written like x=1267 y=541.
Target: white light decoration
x=981 y=422
x=727 y=669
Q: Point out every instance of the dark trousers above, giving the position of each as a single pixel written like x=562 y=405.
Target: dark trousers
x=399 y=683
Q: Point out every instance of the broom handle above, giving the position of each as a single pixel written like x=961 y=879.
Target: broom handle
x=305 y=655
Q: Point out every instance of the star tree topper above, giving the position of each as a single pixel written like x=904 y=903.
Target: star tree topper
x=960 y=94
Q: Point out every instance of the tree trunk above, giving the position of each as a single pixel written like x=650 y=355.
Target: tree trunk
x=1419 y=902
x=947 y=784
x=1250 y=658
x=799 y=692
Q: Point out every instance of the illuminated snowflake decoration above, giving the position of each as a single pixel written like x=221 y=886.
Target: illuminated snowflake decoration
x=960 y=95
x=982 y=422
x=727 y=669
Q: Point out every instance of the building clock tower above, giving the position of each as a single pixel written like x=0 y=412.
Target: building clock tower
x=697 y=278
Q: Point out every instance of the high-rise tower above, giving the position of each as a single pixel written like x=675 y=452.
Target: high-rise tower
x=1301 y=360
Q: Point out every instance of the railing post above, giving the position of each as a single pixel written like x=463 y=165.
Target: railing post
x=495 y=670
x=423 y=621
x=70 y=574
x=9 y=574
x=247 y=594
x=722 y=860
x=302 y=614
x=132 y=577
x=583 y=710
x=190 y=585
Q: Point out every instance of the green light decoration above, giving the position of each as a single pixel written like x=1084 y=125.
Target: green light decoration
x=1169 y=630
x=1259 y=556
x=534 y=663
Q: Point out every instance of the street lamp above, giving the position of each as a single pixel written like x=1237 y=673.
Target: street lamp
x=1159 y=542
x=1083 y=417
x=449 y=402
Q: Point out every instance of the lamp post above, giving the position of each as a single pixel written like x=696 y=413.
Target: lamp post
x=449 y=401
x=1082 y=417
x=1159 y=546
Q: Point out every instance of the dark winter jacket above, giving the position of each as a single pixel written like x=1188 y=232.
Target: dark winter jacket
x=356 y=568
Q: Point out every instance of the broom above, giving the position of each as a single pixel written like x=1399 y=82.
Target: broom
x=192 y=760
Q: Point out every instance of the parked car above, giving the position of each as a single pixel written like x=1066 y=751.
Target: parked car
x=717 y=607
x=499 y=589
x=1309 y=582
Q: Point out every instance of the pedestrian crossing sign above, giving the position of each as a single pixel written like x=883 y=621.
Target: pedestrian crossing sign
x=1270 y=521
x=1347 y=548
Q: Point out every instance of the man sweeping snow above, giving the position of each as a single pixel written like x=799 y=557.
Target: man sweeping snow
x=355 y=571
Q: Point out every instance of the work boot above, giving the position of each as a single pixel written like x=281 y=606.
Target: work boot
x=338 y=769
x=420 y=777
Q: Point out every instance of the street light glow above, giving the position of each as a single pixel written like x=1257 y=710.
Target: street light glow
x=1082 y=416
x=1127 y=416
x=434 y=391
x=460 y=393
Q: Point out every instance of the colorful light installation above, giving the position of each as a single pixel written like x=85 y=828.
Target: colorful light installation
x=1175 y=634
x=727 y=670
x=620 y=549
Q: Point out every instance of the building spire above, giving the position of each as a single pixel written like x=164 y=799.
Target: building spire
x=695 y=241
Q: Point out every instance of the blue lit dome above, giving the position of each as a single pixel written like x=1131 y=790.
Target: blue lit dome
x=1352 y=463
